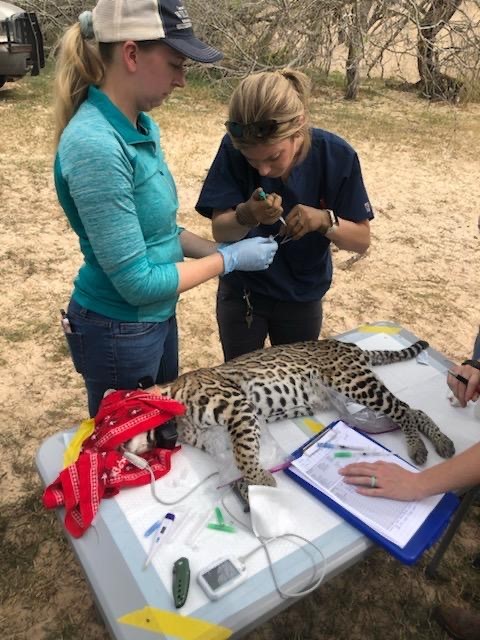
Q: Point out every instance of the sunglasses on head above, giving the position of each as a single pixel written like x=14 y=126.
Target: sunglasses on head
x=261 y=129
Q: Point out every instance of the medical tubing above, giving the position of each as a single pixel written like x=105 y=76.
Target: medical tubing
x=264 y=543
x=171 y=502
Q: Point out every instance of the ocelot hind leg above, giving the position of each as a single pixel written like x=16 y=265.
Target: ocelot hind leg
x=368 y=390
x=442 y=443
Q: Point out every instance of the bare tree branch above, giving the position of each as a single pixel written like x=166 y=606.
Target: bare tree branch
x=441 y=36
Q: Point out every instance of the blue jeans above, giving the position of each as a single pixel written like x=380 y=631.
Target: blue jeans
x=111 y=354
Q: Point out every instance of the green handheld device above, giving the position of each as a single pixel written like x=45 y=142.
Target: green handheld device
x=181 y=581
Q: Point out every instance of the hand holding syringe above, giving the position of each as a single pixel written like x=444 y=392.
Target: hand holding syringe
x=263 y=196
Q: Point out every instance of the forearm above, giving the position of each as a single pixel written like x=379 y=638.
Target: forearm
x=351 y=236
x=457 y=473
x=194 y=246
x=194 y=272
x=252 y=254
x=226 y=228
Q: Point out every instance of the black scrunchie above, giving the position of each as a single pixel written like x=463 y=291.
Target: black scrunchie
x=473 y=363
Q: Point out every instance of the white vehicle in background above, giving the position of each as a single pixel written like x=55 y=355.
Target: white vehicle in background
x=21 y=43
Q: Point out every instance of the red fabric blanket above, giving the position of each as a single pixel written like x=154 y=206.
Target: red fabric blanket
x=101 y=470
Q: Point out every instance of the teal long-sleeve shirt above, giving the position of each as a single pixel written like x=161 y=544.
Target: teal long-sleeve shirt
x=120 y=199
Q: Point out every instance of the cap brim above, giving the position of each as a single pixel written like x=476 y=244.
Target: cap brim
x=194 y=49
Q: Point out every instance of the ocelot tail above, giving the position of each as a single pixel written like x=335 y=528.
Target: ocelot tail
x=288 y=381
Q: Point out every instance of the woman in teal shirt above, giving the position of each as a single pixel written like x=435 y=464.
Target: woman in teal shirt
x=113 y=183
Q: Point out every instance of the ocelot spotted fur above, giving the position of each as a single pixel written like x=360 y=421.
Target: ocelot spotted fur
x=288 y=381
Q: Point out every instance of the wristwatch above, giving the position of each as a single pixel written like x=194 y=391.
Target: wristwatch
x=473 y=363
x=333 y=220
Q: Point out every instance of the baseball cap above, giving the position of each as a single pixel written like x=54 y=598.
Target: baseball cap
x=166 y=20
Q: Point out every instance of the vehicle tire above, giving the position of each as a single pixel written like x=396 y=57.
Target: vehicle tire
x=2 y=81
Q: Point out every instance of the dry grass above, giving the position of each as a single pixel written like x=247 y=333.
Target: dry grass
x=421 y=167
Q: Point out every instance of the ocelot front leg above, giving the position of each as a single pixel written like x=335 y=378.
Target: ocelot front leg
x=369 y=391
x=241 y=421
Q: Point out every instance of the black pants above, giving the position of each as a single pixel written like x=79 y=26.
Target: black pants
x=282 y=322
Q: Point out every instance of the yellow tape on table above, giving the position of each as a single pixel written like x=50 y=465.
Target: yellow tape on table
x=378 y=328
x=83 y=432
x=313 y=425
x=182 y=627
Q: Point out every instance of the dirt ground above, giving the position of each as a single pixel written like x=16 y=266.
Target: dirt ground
x=421 y=168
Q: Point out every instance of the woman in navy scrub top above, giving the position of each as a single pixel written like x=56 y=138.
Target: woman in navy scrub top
x=314 y=196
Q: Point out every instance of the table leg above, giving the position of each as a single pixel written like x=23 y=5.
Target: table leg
x=468 y=498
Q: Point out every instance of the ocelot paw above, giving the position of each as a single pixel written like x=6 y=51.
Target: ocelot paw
x=444 y=446
x=242 y=487
x=262 y=477
x=418 y=451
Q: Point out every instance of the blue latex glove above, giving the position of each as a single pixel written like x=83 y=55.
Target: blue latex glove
x=252 y=254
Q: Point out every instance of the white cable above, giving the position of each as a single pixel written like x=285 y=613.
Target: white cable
x=282 y=593
x=264 y=543
x=295 y=594
x=244 y=558
x=189 y=492
x=242 y=524
x=137 y=461
x=141 y=463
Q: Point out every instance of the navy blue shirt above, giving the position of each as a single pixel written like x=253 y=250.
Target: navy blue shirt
x=328 y=178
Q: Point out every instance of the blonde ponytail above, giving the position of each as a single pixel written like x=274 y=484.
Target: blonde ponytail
x=79 y=64
x=273 y=95
x=301 y=84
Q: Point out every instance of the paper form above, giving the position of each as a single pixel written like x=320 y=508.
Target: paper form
x=395 y=520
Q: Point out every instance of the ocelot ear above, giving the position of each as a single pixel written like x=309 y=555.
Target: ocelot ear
x=146 y=382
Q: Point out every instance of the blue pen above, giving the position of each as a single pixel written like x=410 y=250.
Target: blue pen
x=160 y=535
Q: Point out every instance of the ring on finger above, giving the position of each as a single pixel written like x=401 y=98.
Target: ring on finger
x=373 y=481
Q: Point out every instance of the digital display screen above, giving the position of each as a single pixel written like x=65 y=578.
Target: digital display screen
x=220 y=575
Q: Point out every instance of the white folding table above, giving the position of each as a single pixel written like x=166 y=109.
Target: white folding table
x=137 y=604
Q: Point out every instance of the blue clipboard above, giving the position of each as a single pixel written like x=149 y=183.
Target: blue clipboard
x=423 y=539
